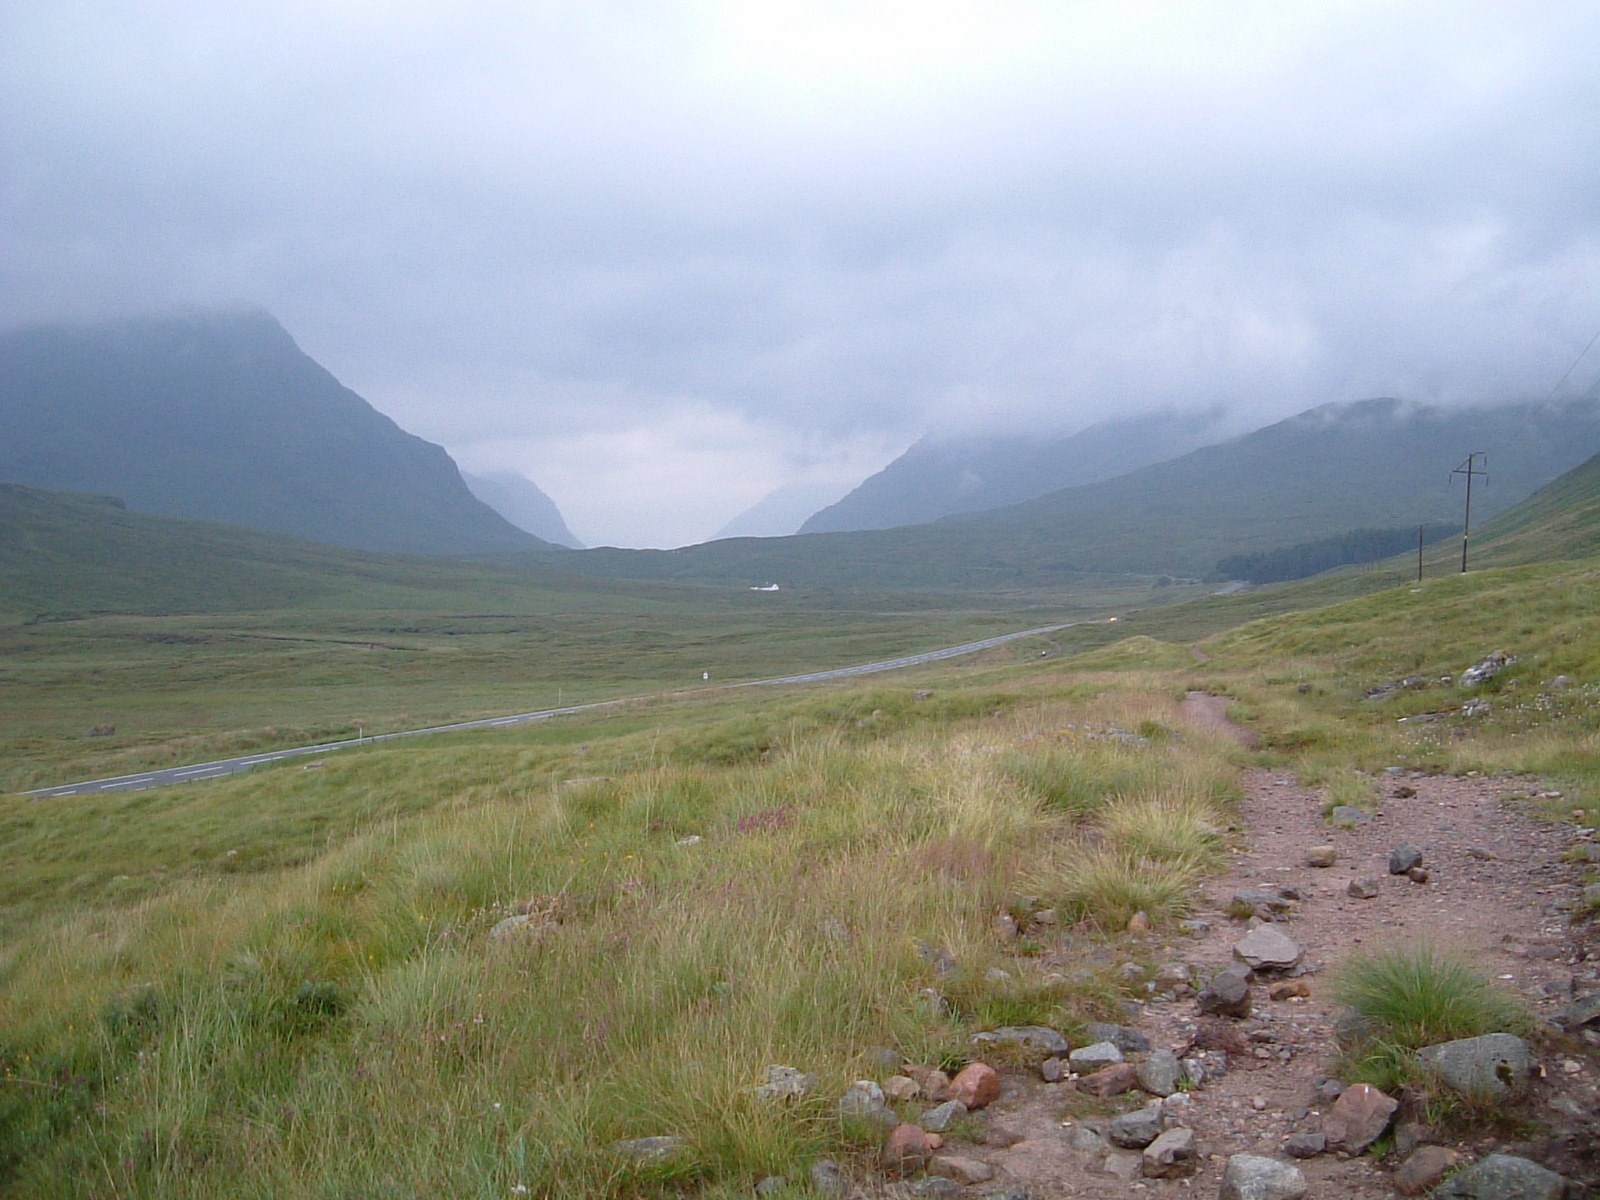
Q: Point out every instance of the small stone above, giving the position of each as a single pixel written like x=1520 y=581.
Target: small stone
x=650 y=1150
x=1582 y=1012
x=1423 y=1169
x=1305 y=1145
x=1267 y=948
x=1263 y=902
x=938 y=1120
x=1031 y=1042
x=1289 y=989
x=1321 y=856
x=906 y=1151
x=1136 y=1130
x=1046 y=916
x=1503 y=1177
x=1087 y=1059
x=1363 y=889
x=1348 y=816
x=1404 y=792
x=1112 y=1081
x=1228 y=993
x=1194 y=926
x=1491 y=1065
x=786 y=1083
x=1002 y=1137
x=1053 y=1070
x=1139 y=923
x=1403 y=858
x=827 y=1176
x=935 y=1084
x=1173 y=975
x=1251 y=1177
x=1005 y=927
x=1326 y=1092
x=1084 y=1140
x=772 y=1185
x=533 y=927
x=966 y=1171
x=977 y=1086
x=864 y=1102
x=999 y=977
x=1358 y=1118
x=900 y=1088
x=1172 y=1155
x=1418 y=875
x=1125 y=1167
x=1161 y=1073
x=1123 y=1037
x=935 y=1187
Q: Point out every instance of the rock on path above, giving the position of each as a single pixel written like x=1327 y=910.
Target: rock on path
x=1503 y=910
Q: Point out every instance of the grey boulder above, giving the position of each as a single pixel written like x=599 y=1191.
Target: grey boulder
x=1503 y=1177
x=1492 y=1065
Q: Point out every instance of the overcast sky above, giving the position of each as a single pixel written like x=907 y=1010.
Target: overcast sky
x=665 y=256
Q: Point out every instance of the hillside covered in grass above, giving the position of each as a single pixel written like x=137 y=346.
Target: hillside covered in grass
x=475 y=965
x=1377 y=463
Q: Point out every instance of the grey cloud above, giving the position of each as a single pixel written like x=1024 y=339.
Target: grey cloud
x=550 y=226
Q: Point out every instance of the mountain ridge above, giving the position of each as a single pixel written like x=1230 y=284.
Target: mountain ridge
x=939 y=477
x=219 y=415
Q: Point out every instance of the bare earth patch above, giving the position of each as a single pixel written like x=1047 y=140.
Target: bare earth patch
x=1496 y=889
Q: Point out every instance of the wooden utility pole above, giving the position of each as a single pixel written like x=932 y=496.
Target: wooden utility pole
x=1420 y=528
x=1469 y=470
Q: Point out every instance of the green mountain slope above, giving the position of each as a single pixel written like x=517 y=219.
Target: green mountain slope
x=1375 y=463
x=220 y=416
x=64 y=554
x=939 y=477
x=1559 y=521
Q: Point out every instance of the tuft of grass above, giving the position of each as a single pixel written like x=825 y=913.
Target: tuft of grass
x=1418 y=995
x=1105 y=887
x=1182 y=831
x=1407 y=997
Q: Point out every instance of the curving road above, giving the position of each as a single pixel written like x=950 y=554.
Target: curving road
x=231 y=766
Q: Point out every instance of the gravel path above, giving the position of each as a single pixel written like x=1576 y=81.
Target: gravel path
x=1496 y=890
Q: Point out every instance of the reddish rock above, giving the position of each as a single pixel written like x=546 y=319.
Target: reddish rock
x=1358 y=1118
x=1425 y=1168
x=1113 y=1081
x=977 y=1086
x=1289 y=989
x=1001 y=1137
x=906 y=1151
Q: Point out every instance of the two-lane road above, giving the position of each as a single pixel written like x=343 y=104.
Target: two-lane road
x=231 y=766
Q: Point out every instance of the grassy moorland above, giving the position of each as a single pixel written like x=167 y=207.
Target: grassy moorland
x=290 y=984
x=194 y=641
x=286 y=984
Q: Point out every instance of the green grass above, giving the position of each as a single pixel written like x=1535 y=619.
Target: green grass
x=1409 y=997
x=284 y=983
x=246 y=980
